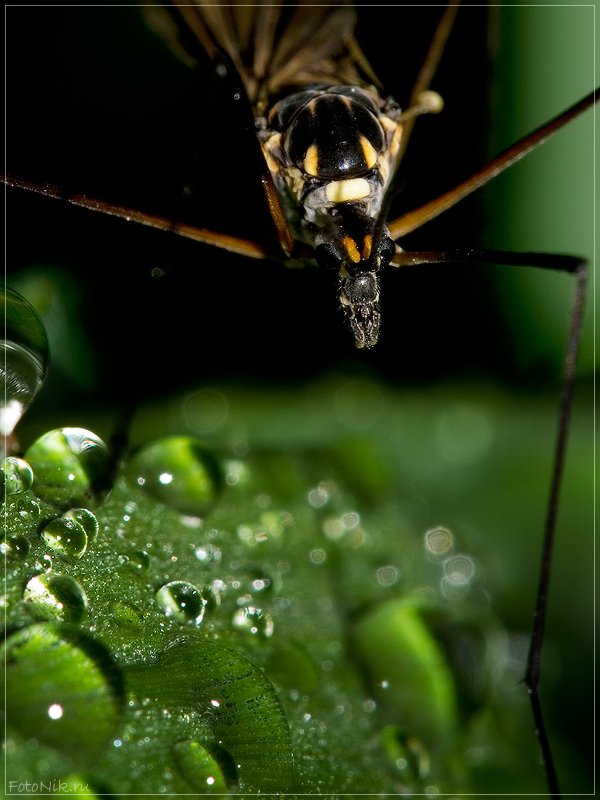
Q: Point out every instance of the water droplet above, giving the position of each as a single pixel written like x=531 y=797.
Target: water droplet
x=126 y=615
x=387 y=576
x=318 y=497
x=65 y=536
x=68 y=463
x=260 y=581
x=23 y=358
x=407 y=753
x=254 y=621
x=459 y=569
x=179 y=472
x=63 y=689
x=205 y=411
x=318 y=556
x=44 y=564
x=207 y=553
x=334 y=528
x=236 y=473
x=252 y=535
x=211 y=597
x=207 y=767
x=182 y=601
x=438 y=541
x=86 y=519
x=15 y=547
x=55 y=596
x=17 y=474
x=139 y=561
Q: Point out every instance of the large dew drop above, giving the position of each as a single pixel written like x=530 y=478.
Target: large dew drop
x=179 y=472
x=69 y=465
x=55 y=596
x=63 y=689
x=66 y=537
x=200 y=765
x=23 y=359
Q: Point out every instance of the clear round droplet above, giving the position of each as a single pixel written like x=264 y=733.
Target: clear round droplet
x=181 y=601
x=126 y=615
x=438 y=542
x=261 y=581
x=68 y=465
x=15 y=547
x=66 y=537
x=208 y=767
x=17 y=475
x=254 y=621
x=179 y=472
x=87 y=519
x=459 y=569
x=139 y=561
x=387 y=576
x=55 y=596
x=23 y=358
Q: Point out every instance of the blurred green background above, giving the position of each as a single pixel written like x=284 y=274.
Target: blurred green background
x=97 y=105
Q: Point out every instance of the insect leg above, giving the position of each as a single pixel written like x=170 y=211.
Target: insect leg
x=578 y=268
x=419 y=216
x=429 y=67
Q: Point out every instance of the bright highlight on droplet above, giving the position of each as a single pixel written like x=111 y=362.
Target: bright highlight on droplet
x=165 y=478
x=55 y=711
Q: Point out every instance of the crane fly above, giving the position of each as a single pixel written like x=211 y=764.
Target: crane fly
x=298 y=66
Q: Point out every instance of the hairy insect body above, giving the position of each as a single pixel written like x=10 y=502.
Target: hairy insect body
x=332 y=151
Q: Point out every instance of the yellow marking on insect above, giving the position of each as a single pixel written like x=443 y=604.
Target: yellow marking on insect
x=351 y=249
x=395 y=143
x=311 y=160
x=384 y=167
x=387 y=123
x=271 y=150
x=368 y=151
x=367 y=245
x=346 y=191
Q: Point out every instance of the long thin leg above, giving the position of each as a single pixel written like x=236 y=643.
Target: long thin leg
x=578 y=267
x=429 y=67
x=234 y=244
x=414 y=219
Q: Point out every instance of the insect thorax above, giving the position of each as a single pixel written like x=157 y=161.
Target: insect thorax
x=332 y=152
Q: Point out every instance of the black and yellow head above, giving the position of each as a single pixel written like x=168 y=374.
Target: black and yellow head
x=357 y=254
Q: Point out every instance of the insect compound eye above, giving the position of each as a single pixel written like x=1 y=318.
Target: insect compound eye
x=385 y=251
x=327 y=256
